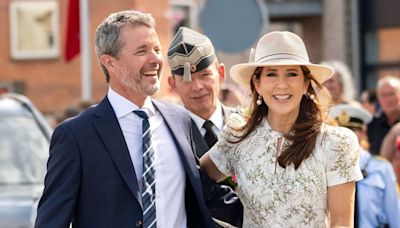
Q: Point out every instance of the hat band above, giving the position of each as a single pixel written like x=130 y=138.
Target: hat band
x=351 y=122
x=353 y=125
x=277 y=56
x=205 y=62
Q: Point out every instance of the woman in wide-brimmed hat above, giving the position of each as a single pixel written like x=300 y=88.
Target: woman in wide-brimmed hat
x=292 y=169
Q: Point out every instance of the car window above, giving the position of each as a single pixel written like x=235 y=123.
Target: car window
x=23 y=151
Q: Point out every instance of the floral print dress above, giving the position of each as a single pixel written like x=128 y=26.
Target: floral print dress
x=273 y=196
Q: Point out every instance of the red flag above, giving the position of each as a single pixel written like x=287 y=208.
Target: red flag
x=72 y=41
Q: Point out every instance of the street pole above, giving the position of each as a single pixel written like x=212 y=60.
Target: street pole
x=86 y=84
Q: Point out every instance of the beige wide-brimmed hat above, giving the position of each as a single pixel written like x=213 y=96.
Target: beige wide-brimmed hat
x=278 y=48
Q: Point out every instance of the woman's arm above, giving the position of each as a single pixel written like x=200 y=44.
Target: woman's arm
x=207 y=165
x=341 y=204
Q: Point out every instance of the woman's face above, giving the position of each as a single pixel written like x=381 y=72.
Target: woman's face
x=282 y=88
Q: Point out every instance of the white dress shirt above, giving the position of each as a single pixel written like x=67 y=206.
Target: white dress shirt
x=170 y=175
x=217 y=118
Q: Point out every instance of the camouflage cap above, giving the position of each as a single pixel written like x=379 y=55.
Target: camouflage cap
x=190 y=52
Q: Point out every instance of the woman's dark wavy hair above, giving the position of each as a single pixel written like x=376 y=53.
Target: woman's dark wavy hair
x=304 y=132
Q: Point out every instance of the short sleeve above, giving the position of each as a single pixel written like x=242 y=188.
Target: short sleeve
x=223 y=153
x=342 y=156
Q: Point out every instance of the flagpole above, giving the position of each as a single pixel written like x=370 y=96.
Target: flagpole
x=86 y=86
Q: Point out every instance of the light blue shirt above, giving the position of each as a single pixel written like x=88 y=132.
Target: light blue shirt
x=376 y=194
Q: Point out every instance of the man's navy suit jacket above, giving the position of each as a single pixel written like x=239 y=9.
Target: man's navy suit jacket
x=91 y=180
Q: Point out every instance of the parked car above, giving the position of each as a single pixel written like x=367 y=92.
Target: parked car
x=24 y=146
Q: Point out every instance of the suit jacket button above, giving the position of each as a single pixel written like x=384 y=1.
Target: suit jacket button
x=139 y=223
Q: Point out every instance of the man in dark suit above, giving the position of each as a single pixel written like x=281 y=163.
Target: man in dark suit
x=128 y=162
x=196 y=78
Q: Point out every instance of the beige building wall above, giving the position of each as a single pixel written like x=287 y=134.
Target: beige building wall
x=334 y=30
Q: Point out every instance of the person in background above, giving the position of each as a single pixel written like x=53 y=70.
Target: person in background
x=293 y=169
x=127 y=162
x=341 y=84
x=73 y=111
x=196 y=77
x=376 y=196
x=230 y=95
x=391 y=149
x=369 y=101
x=388 y=94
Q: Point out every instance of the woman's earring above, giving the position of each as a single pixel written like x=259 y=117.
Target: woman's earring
x=259 y=100
x=310 y=96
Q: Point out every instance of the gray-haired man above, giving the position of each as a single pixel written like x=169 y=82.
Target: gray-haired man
x=196 y=78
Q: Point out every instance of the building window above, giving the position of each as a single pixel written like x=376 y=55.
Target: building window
x=34 y=29
x=183 y=13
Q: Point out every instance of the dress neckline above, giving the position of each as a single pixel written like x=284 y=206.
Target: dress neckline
x=266 y=125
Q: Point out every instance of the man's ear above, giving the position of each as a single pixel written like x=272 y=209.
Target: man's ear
x=107 y=62
x=171 y=82
x=221 y=72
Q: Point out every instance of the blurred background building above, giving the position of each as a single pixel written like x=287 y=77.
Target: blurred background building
x=364 y=34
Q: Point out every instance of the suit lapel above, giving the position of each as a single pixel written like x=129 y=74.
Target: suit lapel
x=201 y=145
x=180 y=133
x=108 y=128
x=179 y=124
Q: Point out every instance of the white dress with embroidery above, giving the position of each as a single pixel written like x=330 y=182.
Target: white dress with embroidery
x=273 y=196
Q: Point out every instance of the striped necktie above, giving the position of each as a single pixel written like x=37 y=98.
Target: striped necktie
x=149 y=184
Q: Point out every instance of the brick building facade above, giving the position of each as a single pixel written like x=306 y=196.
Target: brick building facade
x=54 y=84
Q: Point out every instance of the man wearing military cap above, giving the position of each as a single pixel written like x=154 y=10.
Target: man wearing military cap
x=196 y=78
x=376 y=197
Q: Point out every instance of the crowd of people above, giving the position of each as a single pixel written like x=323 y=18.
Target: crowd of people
x=304 y=153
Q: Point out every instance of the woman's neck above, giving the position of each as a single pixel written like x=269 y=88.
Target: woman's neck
x=280 y=124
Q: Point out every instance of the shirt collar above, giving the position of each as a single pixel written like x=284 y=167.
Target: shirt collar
x=217 y=118
x=123 y=106
x=364 y=158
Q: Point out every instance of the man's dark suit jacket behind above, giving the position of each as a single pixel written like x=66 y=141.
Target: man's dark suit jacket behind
x=222 y=202
x=91 y=180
